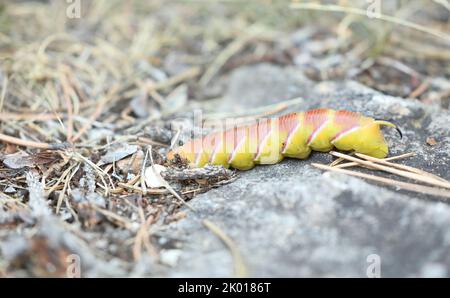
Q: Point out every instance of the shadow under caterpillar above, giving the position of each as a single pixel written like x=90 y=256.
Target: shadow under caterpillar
x=294 y=135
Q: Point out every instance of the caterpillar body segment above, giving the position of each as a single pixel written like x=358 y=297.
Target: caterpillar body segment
x=293 y=135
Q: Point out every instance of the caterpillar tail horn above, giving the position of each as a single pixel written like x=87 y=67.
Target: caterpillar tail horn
x=387 y=123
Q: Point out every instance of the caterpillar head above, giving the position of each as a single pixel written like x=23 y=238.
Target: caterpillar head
x=371 y=139
x=187 y=152
x=171 y=154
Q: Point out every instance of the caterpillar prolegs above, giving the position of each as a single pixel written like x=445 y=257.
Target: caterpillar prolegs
x=293 y=135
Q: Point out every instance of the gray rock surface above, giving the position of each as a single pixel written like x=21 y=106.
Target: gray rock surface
x=265 y=84
x=291 y=219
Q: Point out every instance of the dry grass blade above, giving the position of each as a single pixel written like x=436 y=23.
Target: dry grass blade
x=444 y=3
x=99 y=171
x=27 y=116
x=69 y=176
x=240 y=269
x=155 y=191
x=337 y=161
x=98 y=111
x=175 y=139
x=143 y=236
x=402 y=167
x=362 y=12
x=223 y=57
x=142 y=175
x=120 y=220
x=420 y=89
x=5 y=199
x=147 y=141
x=68 y=101
x=32 y=144
x=402 y=173
x=172 y=81
x=3 y=94
x=404 y=185
x=245 y=117
x=352 y=164
x=389 y=62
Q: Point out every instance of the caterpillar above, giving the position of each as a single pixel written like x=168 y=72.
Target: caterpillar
x=293 y=135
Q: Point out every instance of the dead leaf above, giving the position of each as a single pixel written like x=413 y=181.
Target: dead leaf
x=153 y=178
x=17 y=160
x=117 y=152
x=131 y=164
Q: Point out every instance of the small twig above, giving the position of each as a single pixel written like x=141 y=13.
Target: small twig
x=172 y=81
x=207 y=172
x=67 y=98
x=26 y=143
x=400 y=66
x=66 y=184
x=240 y=269
x=117 y=218
x=405 y=185
x=98 y=170
x=148 y=141
x=56 y=186
x=233 y=48
x=181 y=77
x=152 y=191
x=405 y=174
x=352 y=164
x=151 y=250
x=336 y=162
x=339 y=160
x=7 y=116
x=420 y=89
x=401 y=167
x=142 y=237
x=143 y=185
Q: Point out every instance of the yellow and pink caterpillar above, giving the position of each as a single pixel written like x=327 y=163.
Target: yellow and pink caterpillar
x=293 y=135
